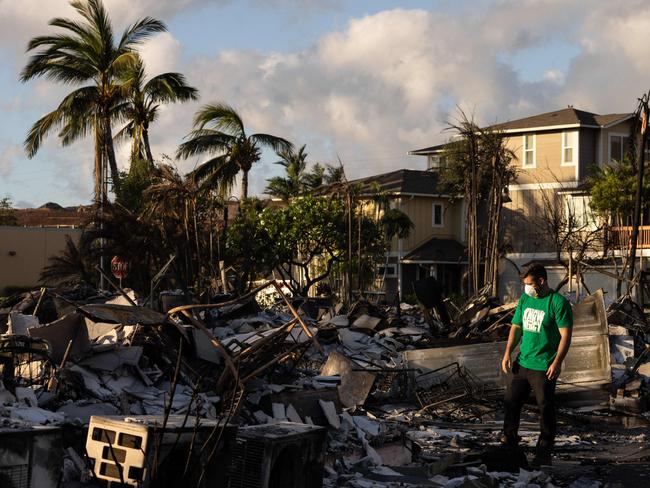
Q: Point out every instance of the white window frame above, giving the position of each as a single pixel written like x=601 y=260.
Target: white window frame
x=574 y=147
x=533 y=150
x=391 y=270
x=609 y=144
x=434 y=161
x=433 y=214
x=588 y=218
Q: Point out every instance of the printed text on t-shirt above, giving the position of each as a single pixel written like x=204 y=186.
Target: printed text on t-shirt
x=533 y=320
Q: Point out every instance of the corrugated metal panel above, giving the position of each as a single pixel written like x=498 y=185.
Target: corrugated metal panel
x=586 y=368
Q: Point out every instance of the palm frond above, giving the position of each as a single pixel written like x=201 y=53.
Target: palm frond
x=170 y=87
x=221 y=117
x=140 y=31
x=210 y=167
x=278 y=144
x=201 y=141
x=124 y=133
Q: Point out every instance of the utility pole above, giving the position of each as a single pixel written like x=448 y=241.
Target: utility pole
x=640 y=143
x=349 y=267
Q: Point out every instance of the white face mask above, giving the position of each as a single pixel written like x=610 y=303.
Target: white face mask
x=530 y=291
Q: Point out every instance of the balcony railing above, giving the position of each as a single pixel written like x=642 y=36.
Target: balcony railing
x=621 y=237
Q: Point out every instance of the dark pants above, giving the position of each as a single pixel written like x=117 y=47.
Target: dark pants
x=517 y=392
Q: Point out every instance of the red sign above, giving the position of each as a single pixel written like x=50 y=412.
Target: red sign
x=119 y=267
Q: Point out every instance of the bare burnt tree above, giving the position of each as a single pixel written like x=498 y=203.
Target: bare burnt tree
x=478 y=166
x=569 y=230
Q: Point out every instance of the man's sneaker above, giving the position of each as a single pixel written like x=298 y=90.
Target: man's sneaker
x=542 y=458
x=510 y=441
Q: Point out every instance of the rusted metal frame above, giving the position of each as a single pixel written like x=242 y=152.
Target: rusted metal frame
x=236 y=404
x=116 y=286
x=265 y=340
x=208 y=306
x=40 y=299
x=120 y=469
x=222 y=350
x=52 y=383
x=272 y=362
x=633 y=282
x=298 y=317
x=168 y=407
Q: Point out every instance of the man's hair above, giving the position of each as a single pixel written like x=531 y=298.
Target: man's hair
x=536 y=270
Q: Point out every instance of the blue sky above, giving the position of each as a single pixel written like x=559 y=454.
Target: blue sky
x=362 y=80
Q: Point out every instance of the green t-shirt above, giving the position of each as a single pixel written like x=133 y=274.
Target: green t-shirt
x=541 y=320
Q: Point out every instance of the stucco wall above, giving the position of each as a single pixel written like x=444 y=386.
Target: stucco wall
x=24 y=252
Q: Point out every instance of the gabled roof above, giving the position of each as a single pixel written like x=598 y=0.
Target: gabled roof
x=403 y=181
x=566 y=117
x=437 y=250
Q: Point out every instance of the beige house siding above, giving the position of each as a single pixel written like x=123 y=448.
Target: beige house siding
x=548 y=159
x=523 y=230
x=622 y=128
x=24 y=252
x=589 y=139
x=420 y=211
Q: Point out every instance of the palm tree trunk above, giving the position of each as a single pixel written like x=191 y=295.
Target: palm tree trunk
x=110 y=151
x=244 y=185
x=99 y=169
x=135 y=144
x=147 y=146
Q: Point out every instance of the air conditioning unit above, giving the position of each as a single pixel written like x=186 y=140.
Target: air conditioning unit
x=31 y=457
x=280 y=455
x=123 y=450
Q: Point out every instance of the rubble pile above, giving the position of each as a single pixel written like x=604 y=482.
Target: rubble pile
x=392 y=395
x=629 y=335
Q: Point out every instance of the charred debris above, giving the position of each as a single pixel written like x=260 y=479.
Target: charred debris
x=98 y=389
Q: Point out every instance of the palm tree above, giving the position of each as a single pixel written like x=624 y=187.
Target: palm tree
x=72 y=265
x=323 y=175
x=291 y=185
x=144 y=99
x=86 y=52
x=219 y=131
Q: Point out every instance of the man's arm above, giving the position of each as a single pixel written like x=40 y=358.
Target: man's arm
x=513 y=340
x=565 y=341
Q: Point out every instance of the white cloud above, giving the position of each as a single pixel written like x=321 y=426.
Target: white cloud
x=161 y=53
x=387 y=83
x=8 y=156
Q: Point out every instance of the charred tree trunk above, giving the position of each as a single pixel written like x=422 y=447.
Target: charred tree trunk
x=640 y=143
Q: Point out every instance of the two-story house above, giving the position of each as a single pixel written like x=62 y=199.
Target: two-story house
x=555 y=153
x=435 y=245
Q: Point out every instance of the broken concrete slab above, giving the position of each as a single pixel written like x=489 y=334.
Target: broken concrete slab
x=122 y=314
x=26 y=396
x=621 y=347
x=82 y=413
x=59 y=333
x=330 y=413
x=355 y=385
x=292 y=415
x=113 y=359
x=586 y=376
x=366 y=321
x=18 y=323
x=305 y=402
x=279 y=411
x=98 y=329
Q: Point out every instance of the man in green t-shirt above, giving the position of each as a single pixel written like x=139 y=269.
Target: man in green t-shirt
x=543 y=321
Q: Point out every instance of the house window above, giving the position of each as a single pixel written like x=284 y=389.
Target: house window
x=569 y=144
x=618 y=147
x=437 y=215
x=579 y=213
x=529 y=150
x=435 y=161
x=389 y=271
